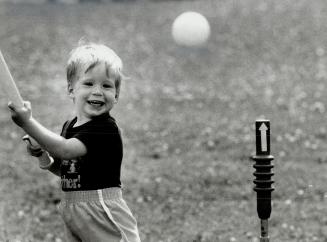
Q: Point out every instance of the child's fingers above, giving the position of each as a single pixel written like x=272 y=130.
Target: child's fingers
x=34 y=151
x=29 y=141
x=29 y=150
x=11 y=106
x=27 y=104
x=14 y=107
x=33 y=148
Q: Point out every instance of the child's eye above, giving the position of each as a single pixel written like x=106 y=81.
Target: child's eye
x=89 y=84
x=107 y=85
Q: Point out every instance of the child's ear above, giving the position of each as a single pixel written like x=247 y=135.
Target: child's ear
x=117 y=94
x=70 y=92
x=116 y=97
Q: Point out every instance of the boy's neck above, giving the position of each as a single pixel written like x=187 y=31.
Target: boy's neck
x=81 y=121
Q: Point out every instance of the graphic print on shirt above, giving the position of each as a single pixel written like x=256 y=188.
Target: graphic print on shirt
x=70 y=174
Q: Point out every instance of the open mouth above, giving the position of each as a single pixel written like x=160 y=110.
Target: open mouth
x=95 y=103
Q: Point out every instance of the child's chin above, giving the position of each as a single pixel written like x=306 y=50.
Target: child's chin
x=94 y=112
x=98 y=112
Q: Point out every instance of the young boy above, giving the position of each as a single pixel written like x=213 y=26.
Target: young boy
x=88 y=153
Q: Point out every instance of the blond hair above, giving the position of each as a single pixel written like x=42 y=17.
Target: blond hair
x=87 y=55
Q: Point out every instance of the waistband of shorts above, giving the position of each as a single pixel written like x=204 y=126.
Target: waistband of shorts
x=92 y=195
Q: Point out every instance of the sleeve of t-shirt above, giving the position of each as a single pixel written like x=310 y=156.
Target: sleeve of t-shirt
x=98 y=137
x=57 y=162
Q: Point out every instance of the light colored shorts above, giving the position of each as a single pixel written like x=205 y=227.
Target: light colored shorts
x=98 y=216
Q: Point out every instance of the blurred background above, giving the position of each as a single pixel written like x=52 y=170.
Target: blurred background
x=187 y=114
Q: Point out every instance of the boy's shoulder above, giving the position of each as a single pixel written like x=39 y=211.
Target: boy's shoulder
x=103 y=120
x=67 y=125
x=103 y=124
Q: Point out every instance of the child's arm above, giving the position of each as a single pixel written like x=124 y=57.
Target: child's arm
x=55 y=144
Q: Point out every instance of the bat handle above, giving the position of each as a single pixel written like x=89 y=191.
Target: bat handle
x=45 y=160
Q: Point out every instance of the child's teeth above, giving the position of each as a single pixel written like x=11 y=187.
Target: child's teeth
x=96 y=103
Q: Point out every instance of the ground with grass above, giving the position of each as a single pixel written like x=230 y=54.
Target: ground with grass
x=187 y=115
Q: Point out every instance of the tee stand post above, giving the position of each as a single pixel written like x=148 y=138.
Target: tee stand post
x=263 y=174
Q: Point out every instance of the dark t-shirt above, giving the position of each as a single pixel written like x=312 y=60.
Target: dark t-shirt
x=100 y=167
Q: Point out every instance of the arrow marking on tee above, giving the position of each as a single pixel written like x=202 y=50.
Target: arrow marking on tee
x=263 y=133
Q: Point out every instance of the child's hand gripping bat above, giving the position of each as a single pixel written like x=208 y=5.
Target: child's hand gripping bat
x=10 y=89
x=45 y=161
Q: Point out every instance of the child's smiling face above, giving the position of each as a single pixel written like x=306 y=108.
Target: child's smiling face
x=94 y=93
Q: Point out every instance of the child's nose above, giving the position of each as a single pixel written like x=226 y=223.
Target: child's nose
x=96 y=90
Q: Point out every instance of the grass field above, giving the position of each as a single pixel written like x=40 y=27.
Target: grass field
x=187 y=114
